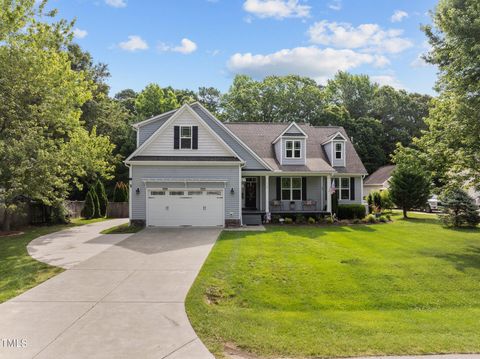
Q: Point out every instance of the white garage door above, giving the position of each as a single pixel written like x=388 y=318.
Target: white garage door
x=182 y=207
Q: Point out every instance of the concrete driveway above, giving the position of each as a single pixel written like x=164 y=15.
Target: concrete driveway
x=124 y=302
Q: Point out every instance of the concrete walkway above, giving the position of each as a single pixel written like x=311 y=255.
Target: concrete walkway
x=124 y=302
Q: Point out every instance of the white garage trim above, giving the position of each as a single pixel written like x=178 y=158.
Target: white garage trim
x=184 y=217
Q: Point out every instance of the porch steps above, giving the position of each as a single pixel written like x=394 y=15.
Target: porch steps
x=252 y=219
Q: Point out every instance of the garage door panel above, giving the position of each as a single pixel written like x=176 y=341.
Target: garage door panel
x=192 y=207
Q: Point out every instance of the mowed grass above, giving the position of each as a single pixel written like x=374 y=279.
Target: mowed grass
x=408 y=287
x=20 y=272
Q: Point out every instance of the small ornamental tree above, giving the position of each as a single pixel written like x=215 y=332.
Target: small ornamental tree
x=96 y=202
x=374 y=200
x=460 y=209
x=89 y=208
x=102 y=198
x=409 y=188
x=120 y=192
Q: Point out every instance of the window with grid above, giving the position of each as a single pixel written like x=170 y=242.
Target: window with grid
x=338 y=150
x=186 y=137
x=293 y=149
x=291 y=188
x=342 y=185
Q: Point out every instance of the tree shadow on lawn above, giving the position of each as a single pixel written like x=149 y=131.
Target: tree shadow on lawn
x=315 y=232
x=463 y=261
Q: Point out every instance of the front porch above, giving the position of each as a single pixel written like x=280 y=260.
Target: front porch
x=267 y=195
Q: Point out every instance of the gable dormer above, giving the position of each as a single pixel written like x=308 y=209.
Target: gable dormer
x=291 y=146
x=335 y=148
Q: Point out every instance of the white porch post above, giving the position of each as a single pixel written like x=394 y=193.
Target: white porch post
x=329 y=194
x=267 y=201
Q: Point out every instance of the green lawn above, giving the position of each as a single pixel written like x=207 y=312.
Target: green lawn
x=20 y=272
x=409 y=287
x=122 y=229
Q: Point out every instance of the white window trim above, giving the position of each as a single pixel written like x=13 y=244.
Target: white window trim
x=291 y=189
x=293 y=149
x=340 y=188
x=342 y=150
x=186 y=137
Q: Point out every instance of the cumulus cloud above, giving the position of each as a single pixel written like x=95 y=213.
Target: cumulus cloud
x=278 y=9
x=116 y=3
x=387 y=80
x=134 y=43
x=368 y=37
x=335 y=5
x=186 y=47
x=398 y=16
x=319 y=64
x=79 y=33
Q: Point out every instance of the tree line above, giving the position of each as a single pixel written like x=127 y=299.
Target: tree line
x=61 y=130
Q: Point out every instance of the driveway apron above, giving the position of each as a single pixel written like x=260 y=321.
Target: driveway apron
x=125 y=302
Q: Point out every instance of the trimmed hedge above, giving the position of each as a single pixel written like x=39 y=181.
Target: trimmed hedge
x=351 y=211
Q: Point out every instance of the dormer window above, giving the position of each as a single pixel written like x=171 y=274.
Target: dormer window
x=338 y=150
x=186 y=137
x=293 y=149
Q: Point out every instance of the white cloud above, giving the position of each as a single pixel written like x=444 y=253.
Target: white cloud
x=116 y=3
x=278 y=9
x=133 y=43
x=398 y=16
x=335 y=5
x=186 y=47
x=387 y=80
x=368 y=37
x=79 y=33
x=319 y=64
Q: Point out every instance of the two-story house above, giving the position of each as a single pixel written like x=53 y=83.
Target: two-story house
x=190 y=169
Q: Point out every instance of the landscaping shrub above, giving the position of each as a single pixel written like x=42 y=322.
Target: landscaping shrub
x=460 y=209
x=60 y=214
x=356 y=221
x=351 y=211
x=374 y=200
x=389 y=217
x=329 y=220
x=102 y=199
x=370 y=218
x=120 y=192
x=276 y=218
x=288 y=220
x=383 y=219
x=300 y=219
x=311 y=220
x=89 y=208
x=386 y=200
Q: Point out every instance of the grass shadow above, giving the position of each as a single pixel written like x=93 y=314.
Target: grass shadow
x=463 y=261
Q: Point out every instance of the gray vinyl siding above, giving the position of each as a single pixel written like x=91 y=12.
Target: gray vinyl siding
x=227 y=173
x=293 y=161
x=145 y=131
x=314 y=192
x=251 y=162
x=358 y=192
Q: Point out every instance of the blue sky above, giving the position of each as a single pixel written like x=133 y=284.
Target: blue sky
x=192 y=43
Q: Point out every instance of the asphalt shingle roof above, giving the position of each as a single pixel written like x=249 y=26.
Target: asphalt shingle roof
x=380 y=176
x=259 y=137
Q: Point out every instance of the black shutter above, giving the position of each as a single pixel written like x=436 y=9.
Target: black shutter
x=195 y=137
x=176 y=137
x=352 y=188
x=304 y=188
x=279 y=188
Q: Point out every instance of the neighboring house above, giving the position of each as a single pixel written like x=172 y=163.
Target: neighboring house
x=190 y=169
x=378 y=180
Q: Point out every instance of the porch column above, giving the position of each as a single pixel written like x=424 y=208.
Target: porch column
x=329 y=193
x=267 y=201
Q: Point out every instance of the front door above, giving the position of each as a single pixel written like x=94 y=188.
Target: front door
x=251 y=193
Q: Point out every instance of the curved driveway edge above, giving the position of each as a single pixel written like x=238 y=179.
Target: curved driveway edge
x=125 y=302
x=74 y=245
